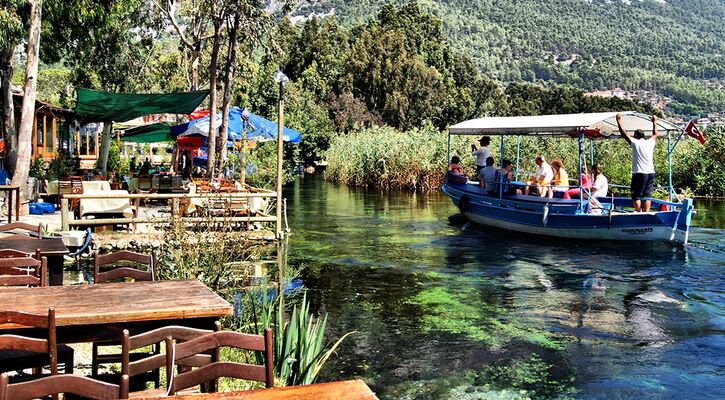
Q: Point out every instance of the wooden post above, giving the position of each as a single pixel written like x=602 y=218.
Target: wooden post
x=280 y=121
x=64 y=214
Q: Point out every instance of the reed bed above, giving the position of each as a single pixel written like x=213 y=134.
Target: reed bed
x=384 y=158
x=387 y=159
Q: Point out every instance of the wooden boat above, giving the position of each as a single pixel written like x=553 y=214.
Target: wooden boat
x=609 y=218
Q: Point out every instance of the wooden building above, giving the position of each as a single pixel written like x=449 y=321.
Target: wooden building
x=56 y=131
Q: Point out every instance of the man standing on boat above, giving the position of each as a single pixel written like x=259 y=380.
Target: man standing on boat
x=481 y=153
x=643 y=168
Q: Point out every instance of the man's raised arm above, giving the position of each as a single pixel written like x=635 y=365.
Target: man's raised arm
x=654 y=127
x=622 y=131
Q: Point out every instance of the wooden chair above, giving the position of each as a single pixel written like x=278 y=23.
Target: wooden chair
x=76 y=184
x=118 y=273
x=147 y=364
x=37 y=229
x=218 y=369
x=21 y=269
x=124 y=272
x=71 y=185
x=18 y=352
x=64 y=187
x=144 y=183
x=70 y=384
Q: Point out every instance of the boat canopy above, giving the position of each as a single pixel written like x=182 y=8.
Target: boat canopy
x=595 y=125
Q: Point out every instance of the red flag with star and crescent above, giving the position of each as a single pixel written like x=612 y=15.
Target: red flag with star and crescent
x=692 y=130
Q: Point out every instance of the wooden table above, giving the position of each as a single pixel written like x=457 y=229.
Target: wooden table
x=52 y=248
x=341 y=390
x=85 y=313
x=9 y=190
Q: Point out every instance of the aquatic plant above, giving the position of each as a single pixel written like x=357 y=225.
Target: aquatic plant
x=459 y=310
x=300 y=351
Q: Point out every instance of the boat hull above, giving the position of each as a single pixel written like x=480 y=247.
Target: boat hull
x=563 y=219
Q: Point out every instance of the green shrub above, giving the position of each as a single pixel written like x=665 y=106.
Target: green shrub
x=701 y=168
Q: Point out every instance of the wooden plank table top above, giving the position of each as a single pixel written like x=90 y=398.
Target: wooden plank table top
x=117 y=303
x=47 y=246
x=341 y=390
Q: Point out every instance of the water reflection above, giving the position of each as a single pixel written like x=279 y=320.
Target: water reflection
x=438 y=305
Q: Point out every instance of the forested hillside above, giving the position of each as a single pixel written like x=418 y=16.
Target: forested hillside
x=675 y=47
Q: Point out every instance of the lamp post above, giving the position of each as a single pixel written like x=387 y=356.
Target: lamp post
x=281 y=79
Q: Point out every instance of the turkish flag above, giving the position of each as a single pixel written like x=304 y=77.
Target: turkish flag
x=691 y=130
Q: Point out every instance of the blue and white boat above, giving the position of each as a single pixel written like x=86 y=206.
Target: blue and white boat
x=610 y=218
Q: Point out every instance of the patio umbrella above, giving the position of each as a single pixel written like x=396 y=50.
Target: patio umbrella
x=255 y=127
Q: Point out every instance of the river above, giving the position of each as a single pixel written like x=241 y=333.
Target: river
x=444 y=310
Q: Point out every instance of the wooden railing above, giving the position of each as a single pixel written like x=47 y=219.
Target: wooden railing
x=68 y=220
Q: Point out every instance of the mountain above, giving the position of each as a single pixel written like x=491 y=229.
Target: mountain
x=674 y=47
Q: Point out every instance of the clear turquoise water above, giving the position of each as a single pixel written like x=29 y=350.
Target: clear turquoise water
x=458 y=311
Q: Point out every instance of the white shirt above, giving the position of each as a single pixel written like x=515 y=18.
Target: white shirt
x=544 y=173
x=642 y=155
x=481 y=153
x=600 y=186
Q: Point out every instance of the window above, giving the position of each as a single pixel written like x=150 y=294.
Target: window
x=39 y=129
x=49 y=130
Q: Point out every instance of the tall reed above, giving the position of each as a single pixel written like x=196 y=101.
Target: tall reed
x=385 y=158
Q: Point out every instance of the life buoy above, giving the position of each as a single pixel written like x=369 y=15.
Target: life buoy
x=463 y=204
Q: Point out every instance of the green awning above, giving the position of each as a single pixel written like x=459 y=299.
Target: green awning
x=152 y=133
x=95 y=106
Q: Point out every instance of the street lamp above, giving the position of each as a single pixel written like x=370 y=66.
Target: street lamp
x=281 y=79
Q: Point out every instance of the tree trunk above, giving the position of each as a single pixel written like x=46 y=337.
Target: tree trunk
x=7 y=125
x=107 y=134
x=25 y=131
x=228 y=78
x=211 y=143
x=195 y=69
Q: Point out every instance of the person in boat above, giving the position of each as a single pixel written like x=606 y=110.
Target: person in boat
x=542 y=177
x=487 y=176
x=503 y=178
x=482 y=153
x=455 y=172
x=455 y=166
x=584 y=181
x=600 y=187
x=560 y=182
x=643 y=168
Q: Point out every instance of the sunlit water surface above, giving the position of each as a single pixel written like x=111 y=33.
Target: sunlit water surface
x=445 y=310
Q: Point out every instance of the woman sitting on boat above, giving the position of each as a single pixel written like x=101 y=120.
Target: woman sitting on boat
x=584 y=180
x=560 y=183
x=599 y=189
x=455 y=166
x=455 y=172
x=601 y=183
